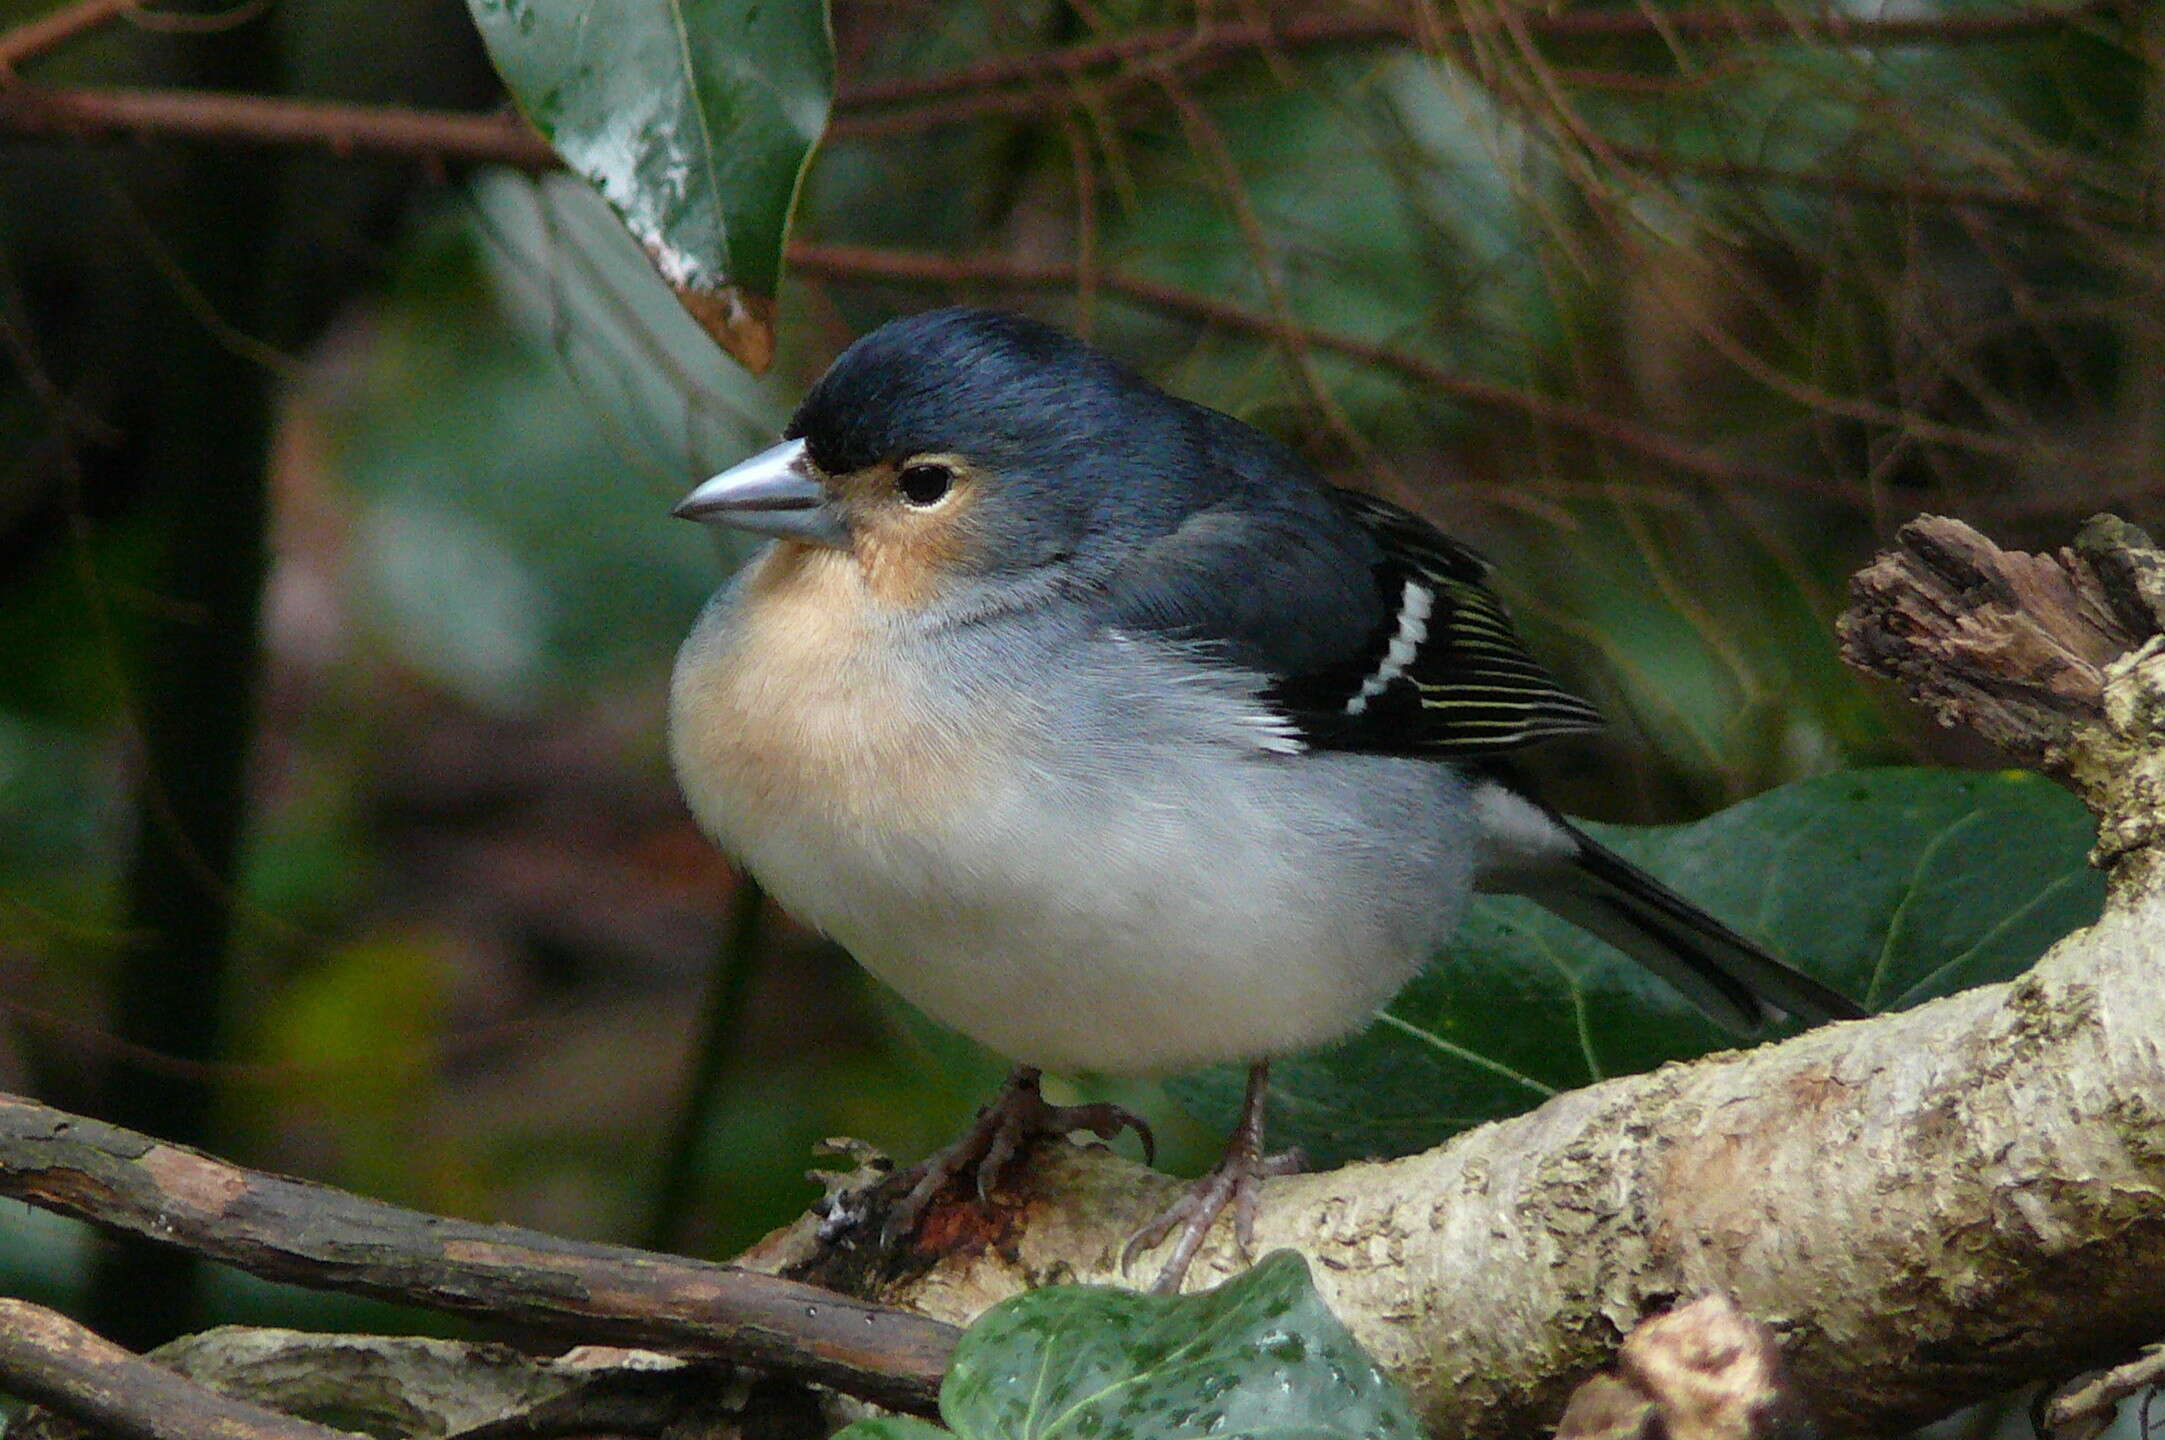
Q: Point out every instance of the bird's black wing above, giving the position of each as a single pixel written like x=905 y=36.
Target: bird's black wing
x=1375 y=628
x=1446 y=672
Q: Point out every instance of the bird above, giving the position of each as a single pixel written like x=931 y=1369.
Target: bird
x=1097 y=724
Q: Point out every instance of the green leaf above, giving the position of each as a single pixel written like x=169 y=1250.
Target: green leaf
x=1893 y=885
x=694 y=118
x=895 y=1427
x=1260 y=1355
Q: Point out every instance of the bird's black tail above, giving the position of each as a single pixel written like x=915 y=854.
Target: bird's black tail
x=1726 y=975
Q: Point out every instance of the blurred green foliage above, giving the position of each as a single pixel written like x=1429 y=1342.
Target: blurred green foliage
x=1729 y=302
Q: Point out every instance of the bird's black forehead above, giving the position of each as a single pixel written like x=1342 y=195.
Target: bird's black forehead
x=974 y=382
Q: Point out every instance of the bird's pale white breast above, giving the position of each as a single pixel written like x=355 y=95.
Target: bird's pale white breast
x=1119 y=867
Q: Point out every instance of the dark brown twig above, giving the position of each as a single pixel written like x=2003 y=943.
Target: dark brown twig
x=265 y=120
x=314 y=1235
x=51 y=1360
x=1184 y=44
x=49 y=31
x=1917 y=189
x=977 y=88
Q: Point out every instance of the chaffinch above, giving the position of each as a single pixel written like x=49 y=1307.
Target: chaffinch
x=1097 y=725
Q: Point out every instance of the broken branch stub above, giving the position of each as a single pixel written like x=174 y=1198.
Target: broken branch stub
x=2057 y=659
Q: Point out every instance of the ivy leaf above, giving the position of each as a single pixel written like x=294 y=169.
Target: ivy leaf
x=1259 y=1355
x=1895 y=886
x=694 y=118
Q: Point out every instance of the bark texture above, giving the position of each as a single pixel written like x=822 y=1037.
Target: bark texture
x=49 y=1358
x=1703 y=1371
x=309 y=1234
x=243 y=1383
x=2057 y=659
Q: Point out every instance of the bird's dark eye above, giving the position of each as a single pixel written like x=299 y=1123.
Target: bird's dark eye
x=925 y=483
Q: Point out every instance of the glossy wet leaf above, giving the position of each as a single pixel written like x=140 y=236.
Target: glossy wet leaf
x=694 y=118
x=1260 y=1355
x=1895 y=886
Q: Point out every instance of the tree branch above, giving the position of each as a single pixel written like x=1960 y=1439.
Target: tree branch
x=49 y=31
x=2054 y=658
x=235 y=1382
x=449 y=136
x=2088 y=1410
x=313 y=1235
x=1911 y=188
x=1185 y=44
x=50 y=1359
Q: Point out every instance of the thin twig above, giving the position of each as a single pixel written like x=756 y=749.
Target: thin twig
x=2087 y=1410
x=1183 y=44
x=504 y=138
x=50 y=1360
x=1901 y=187
x=50 y=31
x=314 y=1235
x=265 y=120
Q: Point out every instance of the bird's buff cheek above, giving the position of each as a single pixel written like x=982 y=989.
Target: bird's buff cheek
x=906 y=557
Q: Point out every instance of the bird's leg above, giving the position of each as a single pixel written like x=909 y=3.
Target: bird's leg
x=1236 y=1181
x=1018 y=1115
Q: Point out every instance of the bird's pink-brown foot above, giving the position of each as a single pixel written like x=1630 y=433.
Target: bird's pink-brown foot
x=1003 y=1130
x=1235 y=1181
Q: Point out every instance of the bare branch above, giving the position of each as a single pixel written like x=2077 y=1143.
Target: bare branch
x=308 y=1234
x=265 y=120
x=2087 y=1410
x=50 y=31
x=400 y=1385
x=1916 y=189
x=52 y=1360
x=1183 y=45
x=2054 y=658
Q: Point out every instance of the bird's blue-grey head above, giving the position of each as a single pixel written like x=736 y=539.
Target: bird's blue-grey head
x=974 y=444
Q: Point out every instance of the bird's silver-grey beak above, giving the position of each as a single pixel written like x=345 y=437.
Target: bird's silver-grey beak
x=776 y=492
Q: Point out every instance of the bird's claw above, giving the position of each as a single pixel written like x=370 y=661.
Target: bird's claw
x=1003 y=1130
x=1237 y=1181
